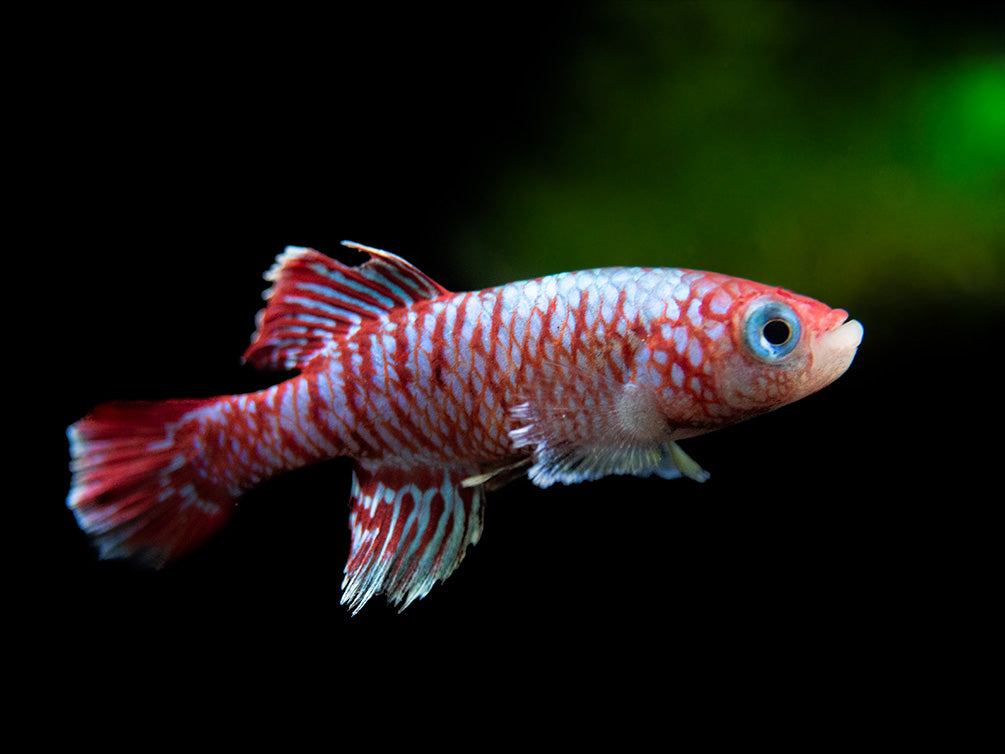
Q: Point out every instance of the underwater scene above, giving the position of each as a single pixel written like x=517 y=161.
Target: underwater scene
x=853 y=153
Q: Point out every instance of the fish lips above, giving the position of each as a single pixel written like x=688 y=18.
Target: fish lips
x=835 y=349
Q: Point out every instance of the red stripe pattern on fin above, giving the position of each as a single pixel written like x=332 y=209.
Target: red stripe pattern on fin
x=316 y=301
x=134 y=490
x=410 y=529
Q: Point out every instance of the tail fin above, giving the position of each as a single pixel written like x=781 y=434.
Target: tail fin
x=135 y=490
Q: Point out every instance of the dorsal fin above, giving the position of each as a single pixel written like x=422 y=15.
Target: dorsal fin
x=316 y=301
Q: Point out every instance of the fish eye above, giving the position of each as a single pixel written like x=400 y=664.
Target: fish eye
x=777 y=332
x=771 y=329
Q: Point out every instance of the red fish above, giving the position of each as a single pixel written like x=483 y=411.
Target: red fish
x=438 y=396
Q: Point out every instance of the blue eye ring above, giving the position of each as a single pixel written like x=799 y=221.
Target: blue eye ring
x=771 y=329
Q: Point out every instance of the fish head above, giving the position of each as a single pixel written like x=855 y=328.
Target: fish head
x=782 y=346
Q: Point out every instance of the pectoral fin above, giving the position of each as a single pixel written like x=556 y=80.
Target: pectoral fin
x=629 y=438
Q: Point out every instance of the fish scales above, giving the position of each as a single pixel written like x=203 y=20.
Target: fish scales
x=439 y=396
x=473 y=364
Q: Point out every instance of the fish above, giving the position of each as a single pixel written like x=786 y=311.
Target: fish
x=441 y=397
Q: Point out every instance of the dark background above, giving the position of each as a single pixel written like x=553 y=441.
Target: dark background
x=841 y=543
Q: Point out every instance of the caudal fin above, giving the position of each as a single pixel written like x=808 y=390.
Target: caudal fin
x=135 y=489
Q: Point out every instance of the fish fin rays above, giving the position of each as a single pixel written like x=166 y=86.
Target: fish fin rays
x=556 y=458
x=410 y=528
x=498 y=475
x=572 y=464
x=682 y=463
x=134 y=490
x=315 y=301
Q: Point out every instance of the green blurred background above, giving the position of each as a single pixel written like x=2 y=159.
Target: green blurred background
x=854 y=152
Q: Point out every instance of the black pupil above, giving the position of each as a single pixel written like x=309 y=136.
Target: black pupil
x=776 y=332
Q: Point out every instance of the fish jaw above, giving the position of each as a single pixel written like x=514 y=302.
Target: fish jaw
x=833 y=352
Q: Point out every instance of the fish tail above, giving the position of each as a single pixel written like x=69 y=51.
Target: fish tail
x=143 y=483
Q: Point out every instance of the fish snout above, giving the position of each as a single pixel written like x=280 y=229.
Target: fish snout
x=845 y=336
x=833 y=352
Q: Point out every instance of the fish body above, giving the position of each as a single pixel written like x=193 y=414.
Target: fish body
x=439 y=396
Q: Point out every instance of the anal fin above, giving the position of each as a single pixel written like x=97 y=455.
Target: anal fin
x=410 y=529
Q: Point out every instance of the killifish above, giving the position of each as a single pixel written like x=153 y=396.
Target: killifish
x=439 y=396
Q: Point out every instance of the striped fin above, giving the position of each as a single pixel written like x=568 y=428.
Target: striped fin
x=316 y=301
x=410 y=529
x=134 y=489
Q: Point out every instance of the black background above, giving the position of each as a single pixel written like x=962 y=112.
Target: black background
x=836 y=543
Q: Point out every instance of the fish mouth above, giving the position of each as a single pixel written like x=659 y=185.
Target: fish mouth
x=845 y=335
x=834 y=351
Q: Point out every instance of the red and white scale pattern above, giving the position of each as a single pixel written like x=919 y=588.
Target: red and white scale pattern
x=436 y=395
